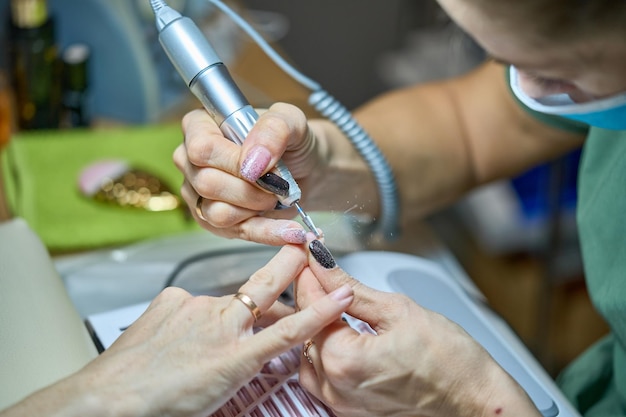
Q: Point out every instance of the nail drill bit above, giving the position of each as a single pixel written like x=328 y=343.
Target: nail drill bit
x=307 y=220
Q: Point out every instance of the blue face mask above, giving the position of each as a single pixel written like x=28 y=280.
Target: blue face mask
x=607 y=113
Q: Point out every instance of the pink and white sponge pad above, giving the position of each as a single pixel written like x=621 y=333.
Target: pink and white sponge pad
x=94 y=176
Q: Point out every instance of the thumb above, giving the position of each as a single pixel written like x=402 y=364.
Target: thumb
x=368 y=304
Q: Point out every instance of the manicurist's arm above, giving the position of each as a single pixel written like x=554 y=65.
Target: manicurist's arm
x=442 y=139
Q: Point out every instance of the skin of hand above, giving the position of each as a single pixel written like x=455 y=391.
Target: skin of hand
x=441 y=138
x=224 y=173
x=418 y=364
x=186 y=355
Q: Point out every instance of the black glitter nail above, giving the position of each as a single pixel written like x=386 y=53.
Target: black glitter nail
x=274 y=184
x=321 y=254
x=280 y=206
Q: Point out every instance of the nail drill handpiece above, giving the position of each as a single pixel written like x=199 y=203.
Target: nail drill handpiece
x=209 y=80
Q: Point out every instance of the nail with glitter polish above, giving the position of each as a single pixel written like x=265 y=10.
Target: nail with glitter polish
x=280 y=206
x=321 y=254
x=293 y=235
x=274 y=184
x=255 y=163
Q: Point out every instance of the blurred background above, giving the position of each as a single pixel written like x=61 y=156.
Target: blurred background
x=88 y=65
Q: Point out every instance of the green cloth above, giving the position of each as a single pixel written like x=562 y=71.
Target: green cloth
x=41 y=171
x=595 y=383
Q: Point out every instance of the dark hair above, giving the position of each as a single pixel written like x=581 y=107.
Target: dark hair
x=563 y=19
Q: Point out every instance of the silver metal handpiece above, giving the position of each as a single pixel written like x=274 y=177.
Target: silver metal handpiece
x=209 y=80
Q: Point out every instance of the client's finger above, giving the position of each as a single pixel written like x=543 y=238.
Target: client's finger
x=264 y=287
x=368 y=302
x=269 y=231
x=276 y=312
x=295 y=329
x=307 y=289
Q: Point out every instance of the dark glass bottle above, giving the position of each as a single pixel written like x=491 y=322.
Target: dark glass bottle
x=6 y=108
x=35 y=65
x=76 y=101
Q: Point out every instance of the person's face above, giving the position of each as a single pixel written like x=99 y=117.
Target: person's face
x=585 y=70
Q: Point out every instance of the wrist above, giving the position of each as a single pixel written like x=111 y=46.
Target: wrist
x=499 y=395
x=340 y=171
x=69 y=397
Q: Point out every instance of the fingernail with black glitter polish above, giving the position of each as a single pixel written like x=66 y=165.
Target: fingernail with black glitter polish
x=321 y=254
x=280 y=206
x=274 y=184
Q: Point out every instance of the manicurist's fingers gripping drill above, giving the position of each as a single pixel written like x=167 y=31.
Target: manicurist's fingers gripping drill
x=208 y=78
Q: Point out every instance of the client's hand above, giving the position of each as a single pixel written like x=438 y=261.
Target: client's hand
x=186 y=356
x=418 y=364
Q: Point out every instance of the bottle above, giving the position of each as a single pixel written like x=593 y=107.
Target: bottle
x=6 y=102
x=35 y=67
x=76 y=101
x=6 y=111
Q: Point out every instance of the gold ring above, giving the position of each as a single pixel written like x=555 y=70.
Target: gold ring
x=305 y=351
x=199 y=208
x=247 y=301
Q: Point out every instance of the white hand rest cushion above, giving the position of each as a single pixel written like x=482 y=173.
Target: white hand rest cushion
x=42 y=337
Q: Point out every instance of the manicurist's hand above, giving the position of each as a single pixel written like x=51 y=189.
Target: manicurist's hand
x=418 y=364
x=186 y=355
x=220 y=176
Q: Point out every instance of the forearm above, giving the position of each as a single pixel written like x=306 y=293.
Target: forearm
x=342 y=181
x=473 y=384
x=442 y=139
x=66 y=398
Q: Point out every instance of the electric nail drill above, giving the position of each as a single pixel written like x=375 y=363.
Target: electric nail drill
x=209 y=80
